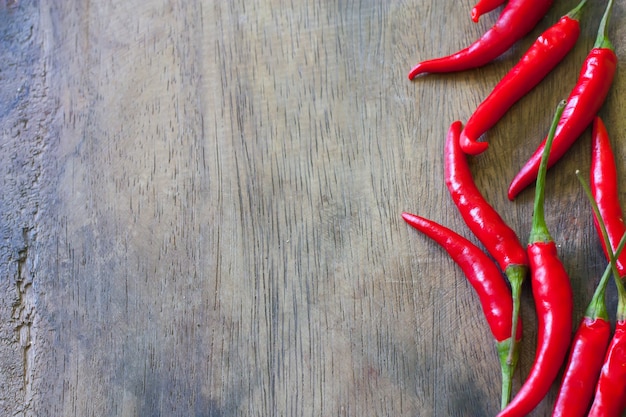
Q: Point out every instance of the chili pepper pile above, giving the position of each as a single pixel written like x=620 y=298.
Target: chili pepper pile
x=593 y=359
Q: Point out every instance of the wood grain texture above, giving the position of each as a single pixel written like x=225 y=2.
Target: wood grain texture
x=201 y=207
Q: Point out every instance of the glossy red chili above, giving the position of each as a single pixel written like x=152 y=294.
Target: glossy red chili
x=517 y=19
x=544 y=54
x=591 y=339
x=487 y=281
x=482 y=219
x=585 y=357
x=552 y=293
x=584 y=101
x=484 y=6
x=610 y=393
x=604 y=189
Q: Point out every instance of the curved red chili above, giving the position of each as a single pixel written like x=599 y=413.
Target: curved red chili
x=591 y=340
x=552 y=293
x=605 y=190
x=482 y=219
x=487 y=281
x=592 y=87
x=484 y=6
x=545 y=53
x=610 y=394
x=517 y=19
x=585 y=357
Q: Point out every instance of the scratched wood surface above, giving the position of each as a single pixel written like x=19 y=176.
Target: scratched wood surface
x=201 y=201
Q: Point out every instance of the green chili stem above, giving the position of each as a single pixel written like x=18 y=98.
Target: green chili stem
x=539 y=231
x=621 y=300
x=597 y=306
x=620 y=314
x=577 y=11
x=602 y=40
x=597 y=215
x=507 y=367
x=515 y=274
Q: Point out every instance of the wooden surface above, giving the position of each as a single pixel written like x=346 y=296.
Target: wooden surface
x=201 y=201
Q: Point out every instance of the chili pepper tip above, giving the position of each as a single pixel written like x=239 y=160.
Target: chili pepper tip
x=415 y=71
x=471 y=147
x=475 y=15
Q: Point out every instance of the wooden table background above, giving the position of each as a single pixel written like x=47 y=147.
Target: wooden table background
x=200 y=210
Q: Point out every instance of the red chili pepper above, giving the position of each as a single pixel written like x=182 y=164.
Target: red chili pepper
x=605 y=190
x=548 y=50
x=487 y=281
x=483 y=220
x=585 y=357
x=610 y=394
x=517 y=19
x=484 y=6
x=584 y=101
x=610 y=391
x=552 y=293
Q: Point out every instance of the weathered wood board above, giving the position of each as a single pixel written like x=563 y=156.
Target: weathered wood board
x=201 y=201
